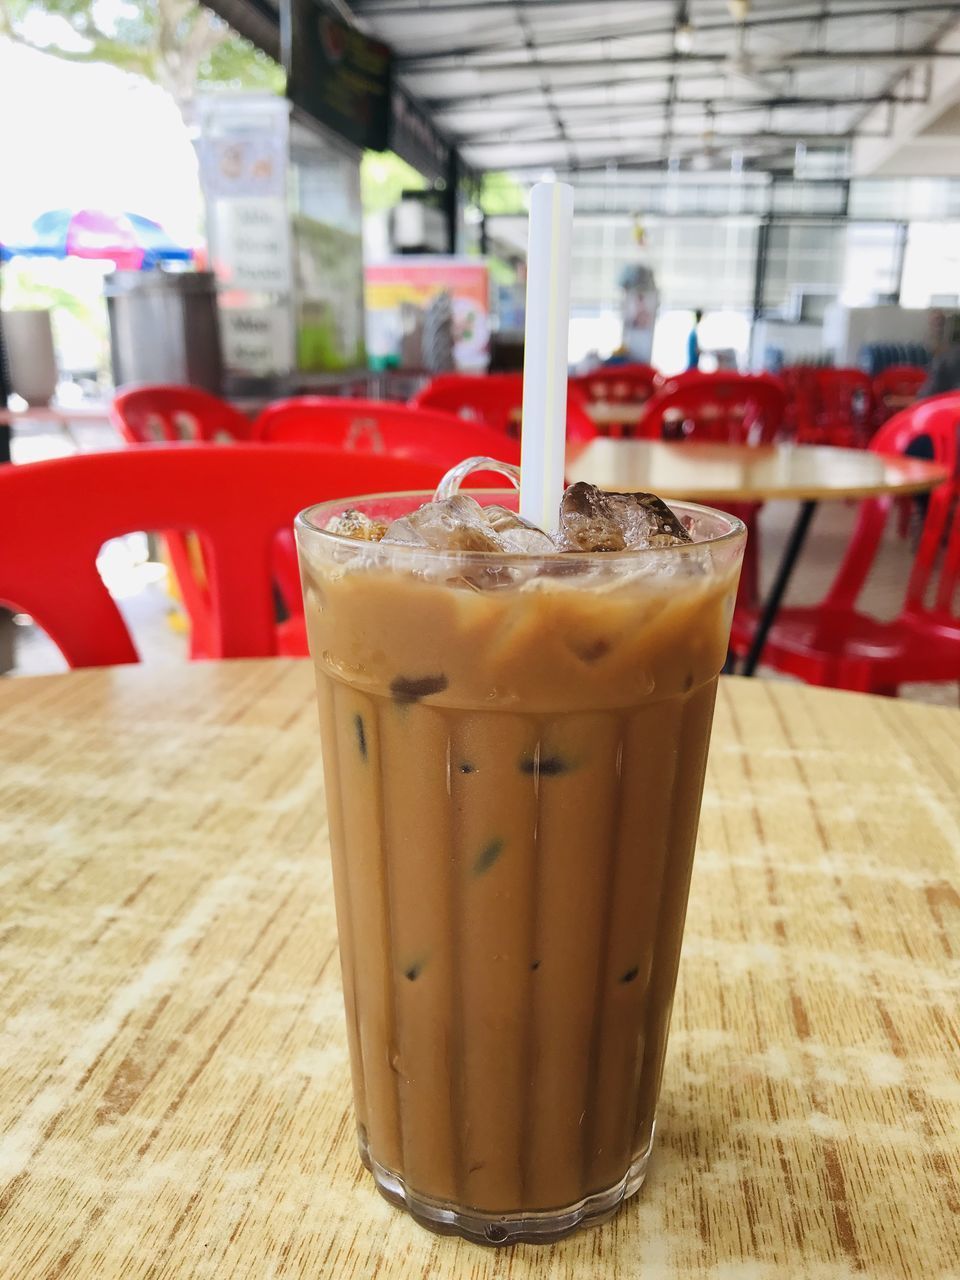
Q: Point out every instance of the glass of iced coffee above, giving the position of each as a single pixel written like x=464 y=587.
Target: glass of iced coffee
x=515 y=731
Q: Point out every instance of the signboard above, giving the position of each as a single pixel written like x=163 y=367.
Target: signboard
x=243 y=169
x=335 y=73
x=249 y=163
x=256 y=340
x=399 y=293
x=251 y=243
x=415 y=139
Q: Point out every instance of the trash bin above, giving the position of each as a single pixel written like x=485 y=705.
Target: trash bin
x=164 y=327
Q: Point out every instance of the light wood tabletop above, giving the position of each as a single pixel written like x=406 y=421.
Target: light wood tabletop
x=174 y=1084
x=747 y=473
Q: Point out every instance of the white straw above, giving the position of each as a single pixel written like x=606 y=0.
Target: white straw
x=544 y=427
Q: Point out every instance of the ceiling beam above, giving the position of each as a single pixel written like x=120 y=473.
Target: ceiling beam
x=526 y=97
x=652 y=160
x=672 y=62
x=643 y=110
x=809 y=11
x=522 y=95
x=430 y=58
x=899 y=76
x=718 y=141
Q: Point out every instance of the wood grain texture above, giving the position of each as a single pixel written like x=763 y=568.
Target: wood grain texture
x=174 y=1095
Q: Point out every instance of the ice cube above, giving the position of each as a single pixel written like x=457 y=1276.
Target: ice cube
x=516 y=534
x=354 y=524
x=455 y=524
x=592 y=519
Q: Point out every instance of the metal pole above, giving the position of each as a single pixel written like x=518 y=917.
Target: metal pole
x=900 y=250
x=451 y=199
x=760 y=268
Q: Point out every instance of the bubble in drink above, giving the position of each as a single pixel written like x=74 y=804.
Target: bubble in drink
x=594 y=520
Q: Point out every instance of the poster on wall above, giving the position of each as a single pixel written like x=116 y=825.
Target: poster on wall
x=405 y=295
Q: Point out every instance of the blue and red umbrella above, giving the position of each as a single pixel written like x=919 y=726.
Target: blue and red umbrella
x=131 y=242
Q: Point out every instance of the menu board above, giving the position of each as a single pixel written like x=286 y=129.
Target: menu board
x=336 y=74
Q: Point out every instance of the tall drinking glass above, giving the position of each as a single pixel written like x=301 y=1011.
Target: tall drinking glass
x=514 y=751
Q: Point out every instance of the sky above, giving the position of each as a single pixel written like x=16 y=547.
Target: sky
x=84 y=135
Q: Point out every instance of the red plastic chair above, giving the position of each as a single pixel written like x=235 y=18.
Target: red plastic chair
x=619 y=383
x=235 y=499
x=834 y=407
x=735 y=408
x=892 y=386
x=836 y=645
x=731 y=408
x=376 y=426
x=151 y=414
x=497 y=399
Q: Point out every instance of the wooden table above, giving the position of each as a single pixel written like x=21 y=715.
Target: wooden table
x=748 y=473
x=174 y=1097
x=725 y=474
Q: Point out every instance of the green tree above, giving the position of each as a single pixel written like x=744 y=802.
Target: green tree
x=383 y=176
x=178 y=44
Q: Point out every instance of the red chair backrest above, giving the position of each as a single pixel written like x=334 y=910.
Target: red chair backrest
x=839 y=397
x=496 y=399
x=733 y=407
x=151 y=414
x=236 y=499
x=897 y=381
x=619 y=384
x=376 y=426
x=936 y=566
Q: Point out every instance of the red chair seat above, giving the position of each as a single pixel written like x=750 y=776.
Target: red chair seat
x=836 y=644
x=846 y=649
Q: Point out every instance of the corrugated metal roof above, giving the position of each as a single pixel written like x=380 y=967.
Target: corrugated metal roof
x=579 y=84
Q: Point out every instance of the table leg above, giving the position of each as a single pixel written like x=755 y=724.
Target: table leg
x=771 y=606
